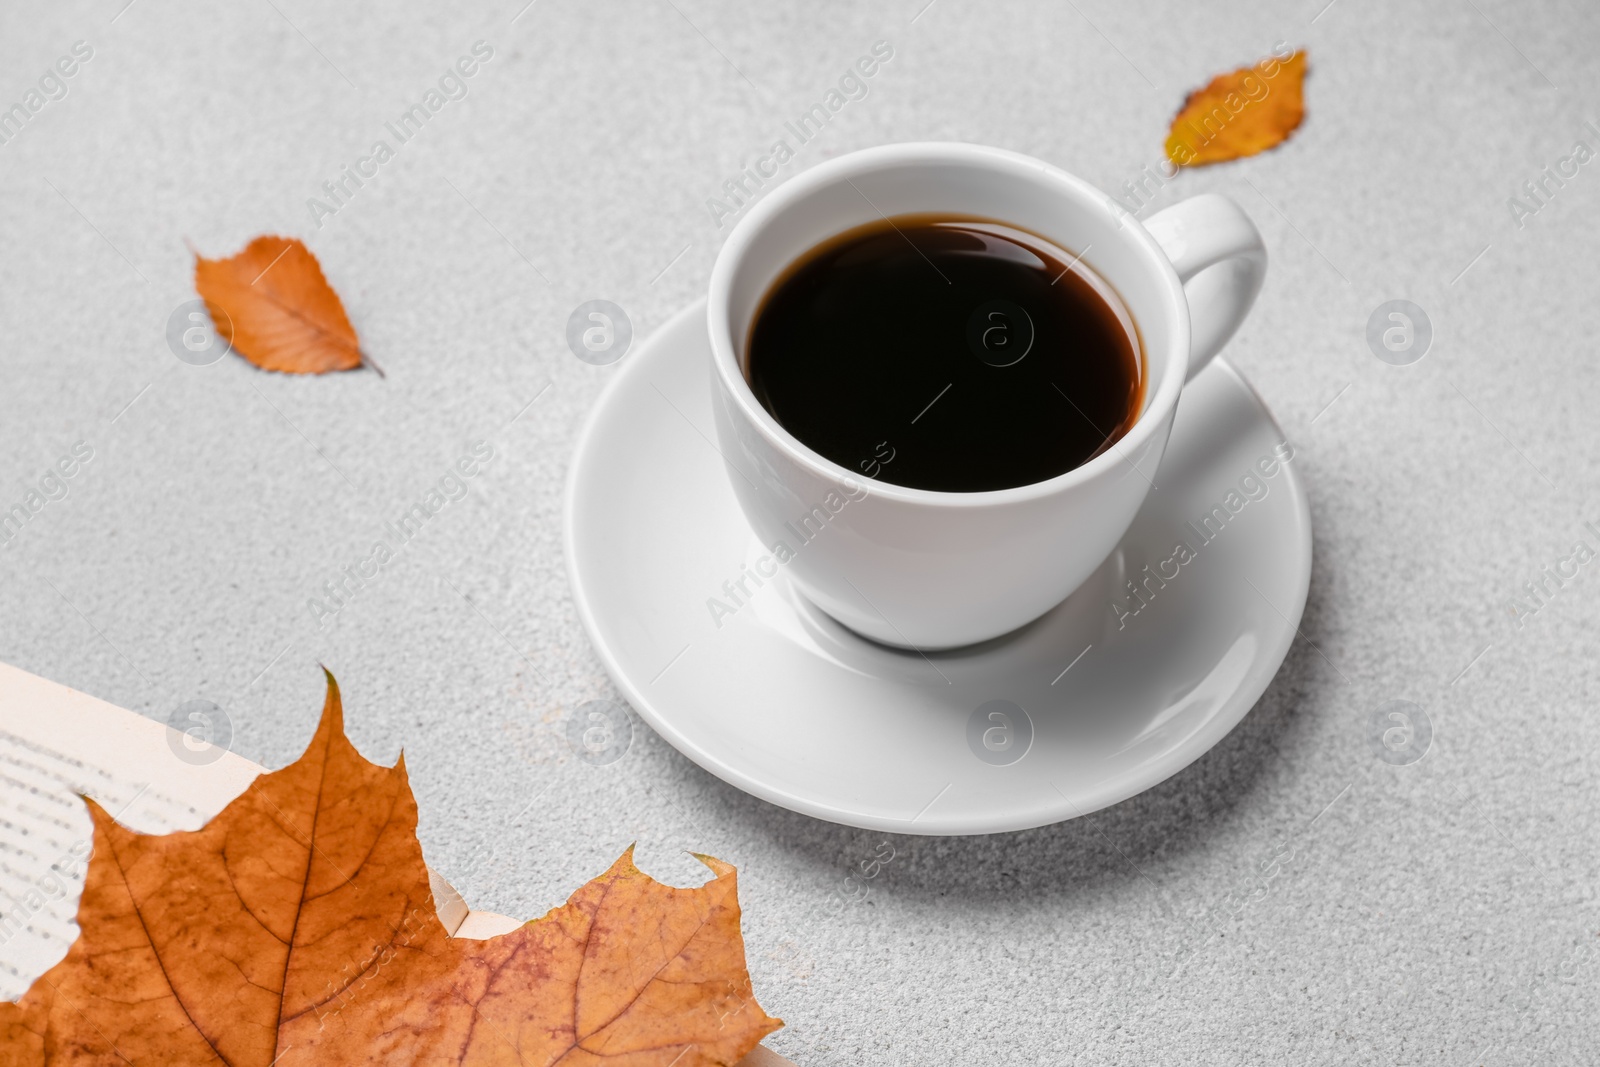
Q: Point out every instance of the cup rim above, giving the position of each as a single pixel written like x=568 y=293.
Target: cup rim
x=842 y=168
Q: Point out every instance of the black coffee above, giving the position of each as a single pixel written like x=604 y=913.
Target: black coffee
x=947 y=353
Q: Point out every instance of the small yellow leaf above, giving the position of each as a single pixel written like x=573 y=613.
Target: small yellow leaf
x=1240 y=113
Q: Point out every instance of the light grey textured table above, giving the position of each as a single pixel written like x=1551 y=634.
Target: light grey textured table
x=1442 y=912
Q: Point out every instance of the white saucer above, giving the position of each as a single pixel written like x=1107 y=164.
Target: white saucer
x=791 y=707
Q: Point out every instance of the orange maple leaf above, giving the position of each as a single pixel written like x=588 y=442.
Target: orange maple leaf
x=1240 y=113
x=297 y=928
x=273 y=305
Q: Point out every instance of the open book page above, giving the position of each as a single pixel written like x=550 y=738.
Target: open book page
x=58 y=745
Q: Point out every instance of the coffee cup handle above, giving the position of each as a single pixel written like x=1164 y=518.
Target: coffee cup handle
x=1221 y=261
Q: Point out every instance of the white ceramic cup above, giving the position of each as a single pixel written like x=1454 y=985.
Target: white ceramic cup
x=927 y=569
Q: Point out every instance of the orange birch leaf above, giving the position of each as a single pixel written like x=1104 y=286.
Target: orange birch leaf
x=297 y=928
x=273 y=305
x=1240 y=113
